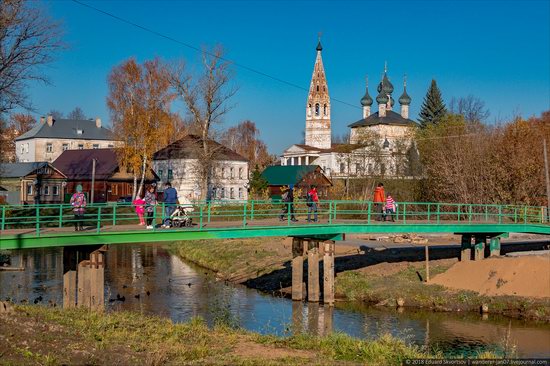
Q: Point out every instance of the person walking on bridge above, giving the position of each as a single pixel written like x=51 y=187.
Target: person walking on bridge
x=379 y=201
x=170 y=201
x=390 y=208
x=312 y=201
x=150 y=205
x=288 y=204
x=78 y=202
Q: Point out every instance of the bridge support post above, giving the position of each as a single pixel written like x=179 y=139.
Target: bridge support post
x=97 y=281
x=69 y=289
x=494 y=247
x=328 y=269
x=83 y=273
x=466 y=247
x=297 y=269
x=479 y=249
x=313 y=271
x=83 y=280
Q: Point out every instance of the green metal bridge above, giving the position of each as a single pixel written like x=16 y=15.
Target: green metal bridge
x=46 y=225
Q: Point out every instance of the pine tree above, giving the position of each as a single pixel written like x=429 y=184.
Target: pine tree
x=433 y=108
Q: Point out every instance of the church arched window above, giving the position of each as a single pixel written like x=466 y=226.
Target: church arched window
x=325 y=109
x=317 y=87
x=317 y=109
x=309 y=109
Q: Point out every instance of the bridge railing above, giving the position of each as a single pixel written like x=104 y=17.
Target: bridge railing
x=115 y=216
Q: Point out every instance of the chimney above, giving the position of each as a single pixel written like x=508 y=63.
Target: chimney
x=50 y=120
x=42 y=120
x=98 y=122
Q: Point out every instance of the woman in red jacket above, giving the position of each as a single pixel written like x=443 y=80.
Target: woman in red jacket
x=379 y=200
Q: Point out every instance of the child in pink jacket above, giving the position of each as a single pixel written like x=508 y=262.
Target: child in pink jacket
x=140 y=209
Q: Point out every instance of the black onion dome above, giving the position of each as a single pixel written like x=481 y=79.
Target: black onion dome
x=405 y=99
x=381 y=98
x=366 y=101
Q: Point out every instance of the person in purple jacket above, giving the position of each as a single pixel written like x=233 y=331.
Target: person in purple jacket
x=170 y=201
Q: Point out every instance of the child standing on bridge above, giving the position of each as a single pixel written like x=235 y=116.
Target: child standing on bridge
x=139 y=203
x=390 y=207
x=78 y=202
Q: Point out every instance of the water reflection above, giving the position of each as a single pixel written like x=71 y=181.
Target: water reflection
x=154 y=282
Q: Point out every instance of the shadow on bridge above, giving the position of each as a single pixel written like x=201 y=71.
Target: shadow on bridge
x=276 y=281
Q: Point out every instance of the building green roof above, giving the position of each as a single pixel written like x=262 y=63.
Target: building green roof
x=280 y=175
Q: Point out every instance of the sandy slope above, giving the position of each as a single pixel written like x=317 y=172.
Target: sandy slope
x=521 y=276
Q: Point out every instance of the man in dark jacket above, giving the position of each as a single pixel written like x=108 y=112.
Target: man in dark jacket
x=170 y=201
x=288 y=204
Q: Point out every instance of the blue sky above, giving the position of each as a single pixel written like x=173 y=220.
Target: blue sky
x=498 y=51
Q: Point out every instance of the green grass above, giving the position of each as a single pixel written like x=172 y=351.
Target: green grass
x=231 y=258
x=82 y=336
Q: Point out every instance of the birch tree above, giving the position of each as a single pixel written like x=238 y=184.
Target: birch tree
x=206 y=96
x=139 y=100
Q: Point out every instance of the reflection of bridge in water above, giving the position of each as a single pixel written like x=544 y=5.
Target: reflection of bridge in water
x=35 y=226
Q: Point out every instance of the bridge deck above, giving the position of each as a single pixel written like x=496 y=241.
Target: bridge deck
x=51 y=227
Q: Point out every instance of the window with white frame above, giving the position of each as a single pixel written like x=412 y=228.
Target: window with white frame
x=223 y=192
x=232 y=193
x=29 y=189
x=22 y=148
x=231 y=175
x=80 y=146
x=223 y=172
x=46 y=190
x=160 y=173
x=95 y=146
x=241 y=193
x=170 y=174
x=65 y=147
x=55 y=190
x=49 y=147
x=240 y=173
x=27 y=147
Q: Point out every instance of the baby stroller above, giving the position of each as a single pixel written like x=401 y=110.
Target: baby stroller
x=180 y=217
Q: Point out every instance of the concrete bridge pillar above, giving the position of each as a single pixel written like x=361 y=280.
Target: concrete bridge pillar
x=466 y=247
x=297 y=269
x=494 y=246
x=328 y=269
x=479 y=248
x=313 y=271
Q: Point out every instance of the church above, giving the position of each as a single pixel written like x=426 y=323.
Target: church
x=379 y=144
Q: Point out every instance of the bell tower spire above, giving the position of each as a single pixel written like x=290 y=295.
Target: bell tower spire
x=318 y=131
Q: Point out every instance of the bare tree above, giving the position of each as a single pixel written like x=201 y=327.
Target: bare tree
x=56 y=114
x=77 y=113
x=245 y=140
x=206 y=98
x=28 y=40
x=470 y=107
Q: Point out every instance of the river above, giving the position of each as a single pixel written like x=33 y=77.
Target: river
x=153 y=281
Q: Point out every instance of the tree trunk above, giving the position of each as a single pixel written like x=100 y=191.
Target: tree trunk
x=134 y=189
x=143 y=170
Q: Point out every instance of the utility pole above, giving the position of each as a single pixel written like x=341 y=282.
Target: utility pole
x=547 y=181
x=93 y=181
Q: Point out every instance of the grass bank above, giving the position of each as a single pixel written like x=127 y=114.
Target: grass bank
x=32 y=335
x=377 y=277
